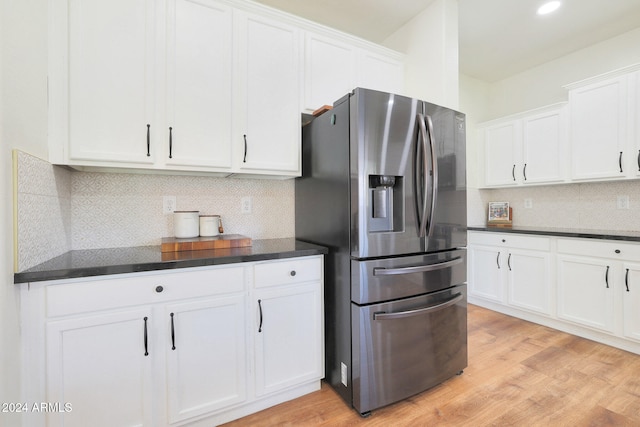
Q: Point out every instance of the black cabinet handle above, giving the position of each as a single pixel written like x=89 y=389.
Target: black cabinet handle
x=524 y=171
x=509 y=262
x=159 y=289
x=498 y=260
x=170 y=141
x=293 y=273
x=620 y=162
x=173 y=334
x=513 y=172
x=626 y=279
x=606 y=277
x=638 y=160
x=146 y=346
x=244 y=159
x=148 y=140
x=260 y=307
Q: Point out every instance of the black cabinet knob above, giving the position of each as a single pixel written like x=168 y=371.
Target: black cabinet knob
x=617 y=251
x=159 y=289
x=293 y=273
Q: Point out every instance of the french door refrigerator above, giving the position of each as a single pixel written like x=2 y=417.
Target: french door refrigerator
x=384 y=188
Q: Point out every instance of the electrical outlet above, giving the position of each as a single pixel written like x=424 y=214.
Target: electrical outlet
x=168 y=204
x=245 y=205
x=528 y=203
x=623 y=202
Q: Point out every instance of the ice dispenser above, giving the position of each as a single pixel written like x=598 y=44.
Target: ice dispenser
x=385 y=203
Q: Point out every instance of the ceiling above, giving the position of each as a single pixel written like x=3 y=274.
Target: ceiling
x=497 y=38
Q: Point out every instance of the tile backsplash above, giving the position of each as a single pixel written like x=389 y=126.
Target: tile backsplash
x=61 y=210
x=591 y=206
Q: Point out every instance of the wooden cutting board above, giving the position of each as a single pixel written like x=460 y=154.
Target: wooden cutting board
x=172 y=244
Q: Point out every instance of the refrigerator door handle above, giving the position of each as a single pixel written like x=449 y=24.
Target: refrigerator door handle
x=426 y=127
x=434 y=178
x=381 y=271
x=419 y=311
x=421 y=185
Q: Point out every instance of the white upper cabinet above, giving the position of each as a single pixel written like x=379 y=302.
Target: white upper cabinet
x=201 y=86
x=503 y=143
x=268 y=133
x=198 y=125
x=330 y=67
x=526 y=149
x=379 y=72
x=600 y=131
x=102 y=82
x=544 y=144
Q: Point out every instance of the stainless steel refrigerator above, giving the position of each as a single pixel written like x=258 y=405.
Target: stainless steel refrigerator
x=383 y=187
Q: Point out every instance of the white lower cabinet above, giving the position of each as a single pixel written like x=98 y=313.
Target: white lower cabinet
x=99 y=366
x=585 y=286
x=503 y=271
x=206 y=357
x=178 y=348
x=584 y=293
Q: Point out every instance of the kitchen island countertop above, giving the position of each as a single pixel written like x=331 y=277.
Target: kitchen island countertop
x=98 y=262
x=630 y=236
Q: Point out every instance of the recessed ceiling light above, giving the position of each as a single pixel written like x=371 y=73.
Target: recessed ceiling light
x=548 y=7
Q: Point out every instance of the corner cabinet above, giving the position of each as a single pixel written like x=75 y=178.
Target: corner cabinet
x=584 y=286
x=176 y=348
x=526 y=149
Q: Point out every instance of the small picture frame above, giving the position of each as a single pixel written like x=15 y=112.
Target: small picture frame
x=499 y=214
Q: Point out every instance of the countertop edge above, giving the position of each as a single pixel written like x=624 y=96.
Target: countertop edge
x=583 y=234
x=92 y=271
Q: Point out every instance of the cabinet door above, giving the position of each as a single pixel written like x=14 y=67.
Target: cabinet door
x=268 y=107
x=288 y=331
x=502 y=153
x=543 y=142
x=111 y=82
x=102 y=367
x=486 y=272
x=585 y=291
x=206 y=355
x=199 y=85
x=529 y=281
x=599 y=129
x=379 y=72
x=329 y=71
x=631 y=298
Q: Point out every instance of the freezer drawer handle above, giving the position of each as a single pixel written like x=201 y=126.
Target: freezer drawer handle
x=381 y=271
x=389 y=316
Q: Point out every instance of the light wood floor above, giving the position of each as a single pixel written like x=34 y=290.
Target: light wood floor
x=519 y=374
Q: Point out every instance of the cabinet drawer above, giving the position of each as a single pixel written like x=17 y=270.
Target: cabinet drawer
x=510 y=240
x=600 y=248
x=293 y=270
x=140 y=289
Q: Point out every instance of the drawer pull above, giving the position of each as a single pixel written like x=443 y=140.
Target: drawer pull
x=382 y=271
x=293 y=273
x=173 y=334
x=159 y=289
x=146 y=346
x=617 y=251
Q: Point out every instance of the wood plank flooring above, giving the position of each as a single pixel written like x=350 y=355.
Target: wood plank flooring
x=519 y=374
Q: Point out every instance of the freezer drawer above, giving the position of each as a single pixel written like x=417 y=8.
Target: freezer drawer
x=388 y=279
x=404 y=347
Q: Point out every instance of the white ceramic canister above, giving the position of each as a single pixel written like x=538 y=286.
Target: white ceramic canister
x=186 y=224
x=209 y=225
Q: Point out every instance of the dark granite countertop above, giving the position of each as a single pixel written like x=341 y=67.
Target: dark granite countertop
x=98 y=262
x=631 y=236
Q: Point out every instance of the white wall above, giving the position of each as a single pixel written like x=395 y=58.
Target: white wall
x=23 y=114
x=430 y=42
